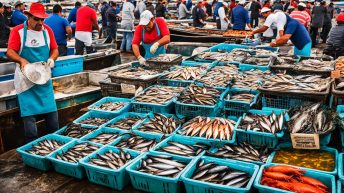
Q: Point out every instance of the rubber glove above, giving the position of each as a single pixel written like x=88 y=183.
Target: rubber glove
x=142 y=60
x=51 y=63
x=154 y=47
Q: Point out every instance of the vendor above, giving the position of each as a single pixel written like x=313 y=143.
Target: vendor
x=153 y=34
x=334 y=45
x=33 y=42
x=298 y=35
x=224 y=21
x=18 y=16
x=198 y=15
x=274 y=21
x=239 y=17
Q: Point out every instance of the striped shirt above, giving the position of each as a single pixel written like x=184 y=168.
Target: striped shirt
x=301 y=16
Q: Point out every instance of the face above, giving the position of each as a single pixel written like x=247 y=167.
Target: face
x=35 y=23
x=22 y=7
x=149 y=26
x=266 y=14
x=2 y=10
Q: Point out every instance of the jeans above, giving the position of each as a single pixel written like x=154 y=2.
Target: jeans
x=314 y=33
x=79 y=48
x=111 y=37
x=255 y=21
x=127 y=41
x=105 y=31
x=62 y=50
x=51 y=123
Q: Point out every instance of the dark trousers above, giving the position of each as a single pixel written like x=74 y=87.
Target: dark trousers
x=218 y=24
x=314 y=34
x=325 y=31
x=51 y=124
x=112 y=34
x=79 y=48
x=62 y=50
x=254 y=20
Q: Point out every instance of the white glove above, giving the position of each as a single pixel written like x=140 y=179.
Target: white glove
x=154 y=47
x=142 y=60
x=51 y=63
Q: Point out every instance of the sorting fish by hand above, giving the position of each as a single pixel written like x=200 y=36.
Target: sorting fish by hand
x=174 y=147
x=161 y=165
x=94 y=121
x=165 y=58
x=311 y=119
x=134 y=73
x=76 y=131
x=160 y=124
x=111 y=106
x=200 y=95
x=244 y=97
x=159 y=94
x=136 y=142
x=316 y=65
x=186 y=73
x=219 y=76
x=215 y=128
x=104 y=138
x=126 y=123
x=219 y=174
x=77 y=152
x=44 y=147
x=112 y=160
x=243 y=152
x=263 y=123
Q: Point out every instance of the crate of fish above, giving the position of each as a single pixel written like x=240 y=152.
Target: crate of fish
x=126 y=122
x=240 y=99
x=213 y=129
x=234 y=114
x=35 y=153
x=115 y=90
x=111 y=105
x=198 y=101
x=106 y=166
x=261 y=128
x=158 y=99
x=280 y=178
x=227 y=176
x=337 y=92
x=159 y=124
x=283 y=63
x=66 y=159
x=141 y=142
x=241 y=151
x=158 y=172
x=103 y=136
x=255 y=63
x=314 y=67
x=340 y=166
x=76 y=130
x=223 y=47
x=220 y=57
x=193 y=63
x=249 y=80
x=164 y=61
x=312 y=119
x=93 y=118
x=183 y=147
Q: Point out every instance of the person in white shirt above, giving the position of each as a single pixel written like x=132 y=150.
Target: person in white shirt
x=223 y=17
x=182 y=10
x=127 y=23
x=140 y=7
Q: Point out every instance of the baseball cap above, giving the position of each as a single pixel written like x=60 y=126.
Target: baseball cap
x=225 y=4
x=340 y=17
x=7 y=5
x=145 y=17
x=302 y=5
x=242 y=2
x=37 y=10
x=265 y=9
x=18 y=3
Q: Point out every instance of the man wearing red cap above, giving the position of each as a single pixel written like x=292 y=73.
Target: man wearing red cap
x=32 y=42
x=335 y=41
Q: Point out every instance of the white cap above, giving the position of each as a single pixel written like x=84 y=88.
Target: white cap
x=225 y=4
x=265 y=9
x=220 y=1
x=242 y=2
x=145 y=17
x=302 y=5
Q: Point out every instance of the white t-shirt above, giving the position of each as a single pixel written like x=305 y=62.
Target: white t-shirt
x=276 y=20
x=222 y=16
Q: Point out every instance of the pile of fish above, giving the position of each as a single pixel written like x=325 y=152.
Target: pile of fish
x=111 y=159
x=243 y=152
x=134 y=73
x=215 y=128
x=219 y=56
x=159 y=94
x=239 y=54
x=244 y=97
x=126 y=123
x=94 y=121
x=137 y=142
x=183 y=149
x=218 y=174
x=301 y=83
x=186 y=73
x=257 y=61
x=316 y=65
x=219 y=76
x=104 y=138
x=44 y=147
x=262 y=53
x=262 y=123
x=161 y=165
x=249 y=79
x=292 y=179
x=160 y=124
x=200 y=95
x=165 y=58
x=77 y=152
x=284 y=60
x=76 y=131
x=111 y=106
x=311 y=119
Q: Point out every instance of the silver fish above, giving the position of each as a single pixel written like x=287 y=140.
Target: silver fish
x=183 y=149
x=104 y=138
x=262 y=123
x=126 y=123
x=111 y=106
x=45 y=147
x=111 y=159
x=136 y=142
x=94 y=121
x=200 y=95
x=77 y=152
x=76 y=131
x=160 y=124
x=159 y=94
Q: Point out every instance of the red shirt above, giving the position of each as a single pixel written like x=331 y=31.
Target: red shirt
x=152 y=36
x=84 y=19
x=232 y=5
x=301 y=16
x=33 y=38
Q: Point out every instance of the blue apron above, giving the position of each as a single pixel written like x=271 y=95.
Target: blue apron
x=160 y=50
x=39 y=99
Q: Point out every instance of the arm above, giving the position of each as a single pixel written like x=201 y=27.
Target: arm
x=136 y=50
x=54 y=54
x=164 y=40
x=282 y=40
x=95 y=21
x=14 y=56
x=22 y=18
x=69 y=32
x=260 y=30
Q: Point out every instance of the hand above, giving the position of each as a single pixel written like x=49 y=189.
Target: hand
x=273 y=44
x=51 y=63
x=142 y=60
x=154 y=47
x=23 y=62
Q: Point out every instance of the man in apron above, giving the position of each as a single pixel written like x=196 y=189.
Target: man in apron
x=33 y=42
x=153 y=34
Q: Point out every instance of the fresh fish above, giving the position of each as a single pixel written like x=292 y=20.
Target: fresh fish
x=159 y=94
x=164 y=58
x=249 y=79
x=76 y=131
x=220 y=56
x=186 y=73
x=111 y=106
x=79 y=151
x=219 y=76
x=44 y=147
x=284 y=61
x=315 y=65
x=160 y=124
x=257 y=61
x=134 y=73
x=94 y=121
x=200 y=95
x=136 y=142
x=183 y=149
x=244 y=97
x=104 y=138
x=263 y=123
x=111 y=159
x=126 y=123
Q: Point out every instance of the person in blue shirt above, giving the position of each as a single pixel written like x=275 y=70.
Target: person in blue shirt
x=189 y=4
x=298 y=35
x=72 y=14
x=60 y=27
x=105 y=27
x=240 y=18
x=18 y=16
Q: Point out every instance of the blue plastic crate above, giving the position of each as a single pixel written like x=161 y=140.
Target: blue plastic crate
x=176 y=83
x=192 y=63
x=340 y=184
x=6 y=77
x=269 y=48
x=125 y=108
x=340 y=166
x=234 y=114
x=60 y=131
x=328 y=149
x=195 y=186
x=93 y=114
x=37 y=161
x=67 y=168
x=240 y=105
x=156 y=184
x=223 y=47
x=124 y=116
x=67 y=65
x=157 y=138
x=327 y=179
x=260 y=138
x=100 y=131
x=70 y=51
x=248 y=67
x=116 y=179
